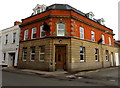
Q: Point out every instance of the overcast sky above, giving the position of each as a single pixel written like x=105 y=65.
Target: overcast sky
x=15 y=10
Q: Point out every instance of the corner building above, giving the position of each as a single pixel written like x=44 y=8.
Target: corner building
x=62 y=37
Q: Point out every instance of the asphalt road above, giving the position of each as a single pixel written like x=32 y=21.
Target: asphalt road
x=105 y=78
x=16 y=79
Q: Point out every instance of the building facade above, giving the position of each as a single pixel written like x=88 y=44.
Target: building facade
x=10 y=44
x=62 y=37
x=0 y=47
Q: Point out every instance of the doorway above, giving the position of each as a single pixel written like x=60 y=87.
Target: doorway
x=11 y=59
x=60 y=57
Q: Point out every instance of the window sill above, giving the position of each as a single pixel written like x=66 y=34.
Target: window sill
x=24 y=60
x=32 y=60
x=82 y=61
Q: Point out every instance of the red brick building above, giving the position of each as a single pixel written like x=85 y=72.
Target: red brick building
x=62 y=37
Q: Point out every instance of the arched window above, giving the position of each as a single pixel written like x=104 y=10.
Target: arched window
x=60 y=29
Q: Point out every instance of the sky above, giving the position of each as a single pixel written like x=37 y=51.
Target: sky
x=15 y=10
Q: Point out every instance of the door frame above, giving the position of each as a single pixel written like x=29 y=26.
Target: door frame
x=65 y=64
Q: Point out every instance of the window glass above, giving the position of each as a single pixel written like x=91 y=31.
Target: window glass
x=24 y=53
x=26 y=35
x=42 y=32
x=96 y=54
x=82 y=53
x=60 y=29
x=93 y=35
x=14 y=37
x=42 y=53
x=32 y=53
x=81 y=33
x=33 y=32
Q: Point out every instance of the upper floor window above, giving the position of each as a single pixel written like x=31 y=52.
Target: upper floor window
x=6 y=39
x=103 y=39
x=81 y=33
x=93 y=35
x=60 y=29
x=109 y=39
x=82 y=53
x=96 y=54
x=42 y=32
x=26 y=35
x=33 y=32
x=14 y=37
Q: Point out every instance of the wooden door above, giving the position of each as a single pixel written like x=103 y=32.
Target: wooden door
x=60 y=57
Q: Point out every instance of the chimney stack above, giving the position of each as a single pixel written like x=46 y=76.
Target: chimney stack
x=17 y=23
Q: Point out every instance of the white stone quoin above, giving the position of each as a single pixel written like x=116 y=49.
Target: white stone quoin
x=9 y=46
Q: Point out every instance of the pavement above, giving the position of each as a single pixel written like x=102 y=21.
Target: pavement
x=60 y=74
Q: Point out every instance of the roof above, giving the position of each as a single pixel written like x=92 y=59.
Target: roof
x=68 y=7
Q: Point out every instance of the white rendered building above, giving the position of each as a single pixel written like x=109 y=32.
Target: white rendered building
x=10 y=45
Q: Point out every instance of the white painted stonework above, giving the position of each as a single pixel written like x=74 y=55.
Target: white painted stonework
x=10 y=49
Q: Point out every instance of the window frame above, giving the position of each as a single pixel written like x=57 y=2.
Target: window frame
x=26 y=34
x=107 y=55
x=93 y=36
x=6 y=39
x=31 y=53
x=103 y=39
x=14 y=37
x=41 y=53
x=41 y=30
x=34 y=28
x=23 y=55
x=83 y=48
x=59 y=29
x=97 y=54
x=81 y=33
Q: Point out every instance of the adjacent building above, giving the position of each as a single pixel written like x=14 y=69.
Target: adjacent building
x=10 y=45
x=62 y=37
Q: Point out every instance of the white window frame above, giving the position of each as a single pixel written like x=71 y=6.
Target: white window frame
x=81 y=33
x=26 y=34
x=41 y=53
x=60 y=29
x=109 y=39
x=97 y=54
x=93 y=36
x=82 y=54
x=31 y=54
x=34 y=33
x=41 y=30
x=103 y=39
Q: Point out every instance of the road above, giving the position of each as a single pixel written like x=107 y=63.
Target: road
x=106 y=78
x=16 y=79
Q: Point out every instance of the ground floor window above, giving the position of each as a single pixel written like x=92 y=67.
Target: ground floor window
x=24 y=54
x=32 y=57
x=82 y=53
x=41 y=53
x=96 y=54
x=107 y=55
